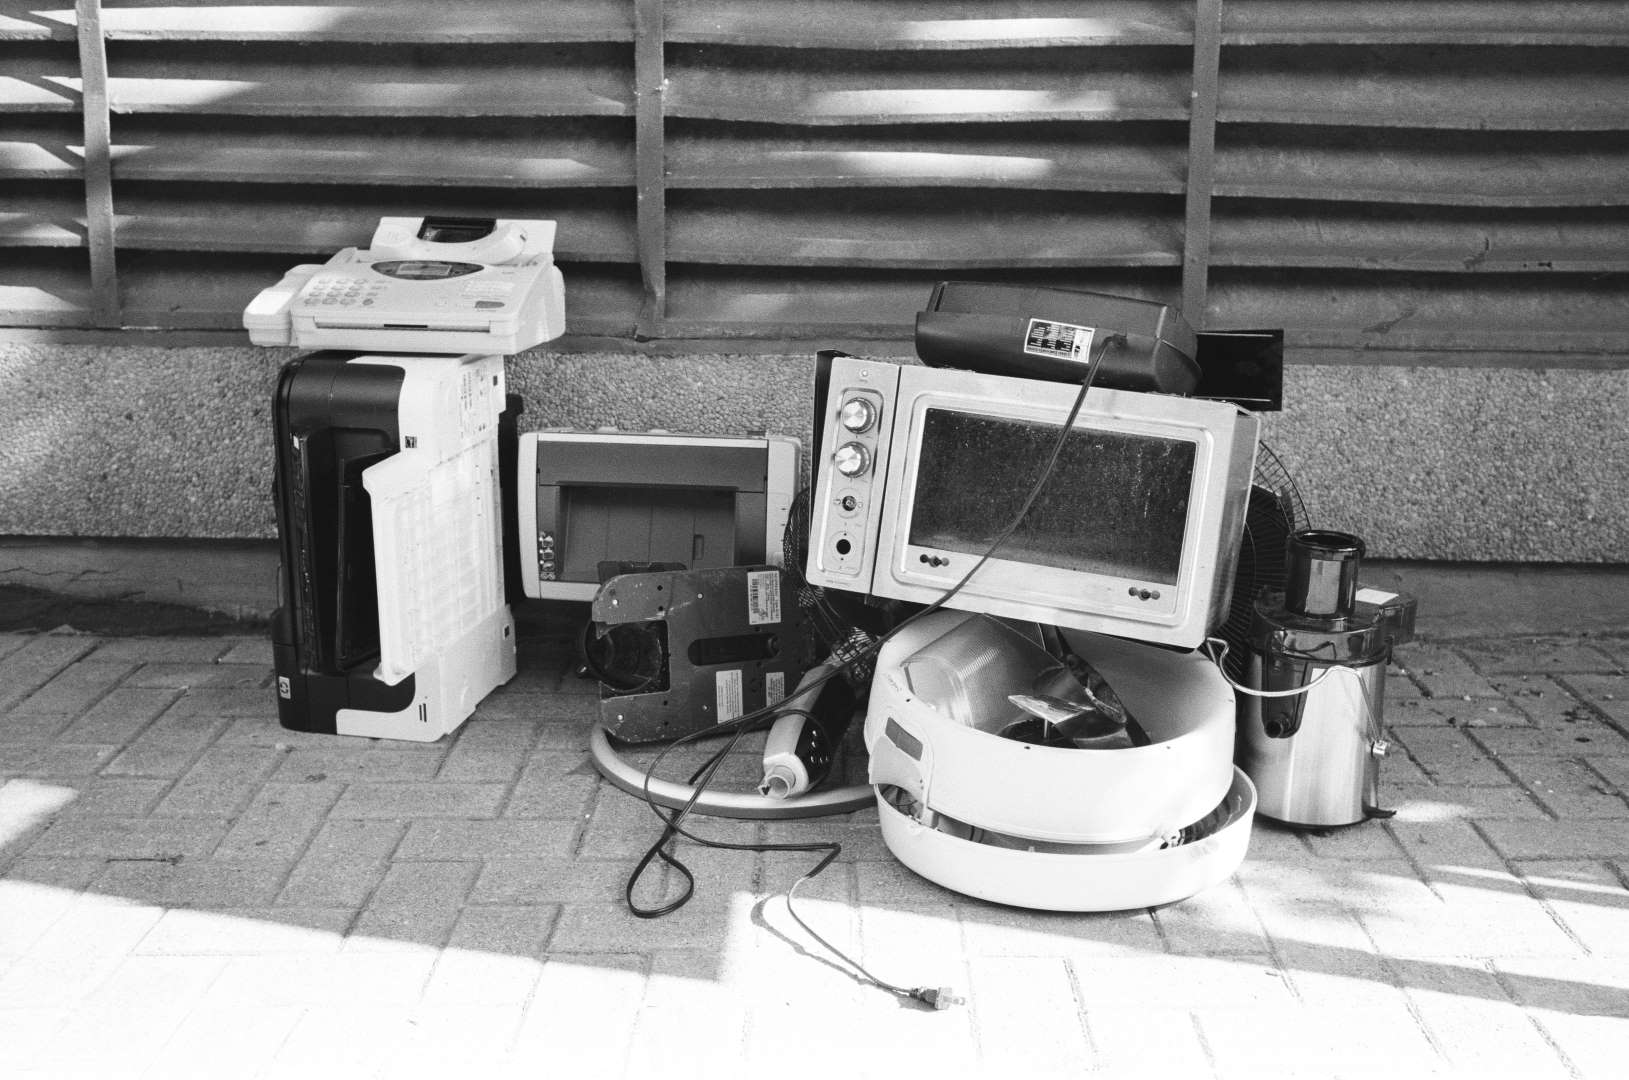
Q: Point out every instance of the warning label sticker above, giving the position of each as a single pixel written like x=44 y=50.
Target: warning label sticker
x=727 y=691
x=774 y=687
x=763 y=597
x=1059 y=340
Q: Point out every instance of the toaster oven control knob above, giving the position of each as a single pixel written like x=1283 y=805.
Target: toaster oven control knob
x=851 y=459
x=857 y=414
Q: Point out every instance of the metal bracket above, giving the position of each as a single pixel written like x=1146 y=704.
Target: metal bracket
x=736 y=641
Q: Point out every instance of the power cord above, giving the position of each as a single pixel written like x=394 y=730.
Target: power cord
x=673 y=825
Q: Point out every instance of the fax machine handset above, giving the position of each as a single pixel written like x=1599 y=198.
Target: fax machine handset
x=488 y=241
x=267 y=316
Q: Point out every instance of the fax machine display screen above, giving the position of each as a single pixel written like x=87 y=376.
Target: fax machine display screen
x=1115 y=503
x=425 y=269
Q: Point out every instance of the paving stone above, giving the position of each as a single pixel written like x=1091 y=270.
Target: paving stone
x=1589 y=898
x=64 y=874
x=1567 y=740
x=481 y=766
x=1595 y=1046
x=313 y=765
x=1450 y=757
x=1026 y=1016
x=1542 y=655
x=158 y=761
x=256 y=650
x=226 y=703
x=165 y=650
x=1146 y=1041
x=454 y=839
x=119 y=717
x=1518 y=926
x=54 y=761
x=1454 y=714
x=264 y=730
x=1569 y=789
x=1444 y=843
x=685 y=1006
x=279 y=822
x=1424 y=803
x=209 y=1035
x=620 y=824
x=540 y=881
x=114 y=795
x=553 y=785
x=18 y=730
x=255 y=932
x=1366 y=840
x=1185 y=983
x=1544 y=699
x=104 y=1041
x=1606 y=694
x=1376 y=1040
x=544 y=708
x=31 y=908
x=73 y=689
x=1326 y=976
x=194 y=883
x=416 y=902
x=196 y=676
x=1362 y=885
x=399 y=801
x=578 y=1000
x=454 y=1038
x=220 y=782
x=343 y=865
x=129 y=838
x=357 y=840
x=861 y=839
x=328 y=882
x=324 y=979
x=1559 y=839
x=611 y=928
x=1442 y=672
x=25 y=669
x=778 y=871
x=1218 y=921
x=24 y=1032
x=1613 y=770
x=1596 y=986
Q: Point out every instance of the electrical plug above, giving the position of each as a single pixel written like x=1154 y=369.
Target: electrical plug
x=941 y=997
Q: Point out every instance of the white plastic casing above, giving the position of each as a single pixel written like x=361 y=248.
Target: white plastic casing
x=438 y=548
x=515 y=301
x=1120 y=802
x=782 y=465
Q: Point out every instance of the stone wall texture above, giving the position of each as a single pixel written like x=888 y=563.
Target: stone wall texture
x=1433 y=463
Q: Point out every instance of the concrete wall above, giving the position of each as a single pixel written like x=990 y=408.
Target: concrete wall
x=1425 y=463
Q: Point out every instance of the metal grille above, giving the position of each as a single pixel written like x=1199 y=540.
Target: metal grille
x=1416 y=181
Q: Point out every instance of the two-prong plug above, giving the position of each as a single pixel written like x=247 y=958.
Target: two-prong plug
x=937 y=997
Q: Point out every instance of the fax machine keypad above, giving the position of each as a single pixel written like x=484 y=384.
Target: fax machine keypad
x=337 y=290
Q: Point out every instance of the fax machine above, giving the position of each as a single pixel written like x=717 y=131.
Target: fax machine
x=422 y=285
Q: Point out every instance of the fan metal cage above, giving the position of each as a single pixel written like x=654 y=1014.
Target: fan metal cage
x=1275 y=511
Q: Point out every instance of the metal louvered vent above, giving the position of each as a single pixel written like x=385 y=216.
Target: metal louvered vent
x=1419 y=179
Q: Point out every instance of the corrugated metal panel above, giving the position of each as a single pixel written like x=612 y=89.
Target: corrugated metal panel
x=1410 y=179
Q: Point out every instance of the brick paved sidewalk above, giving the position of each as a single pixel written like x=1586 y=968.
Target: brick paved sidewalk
x=187 y=889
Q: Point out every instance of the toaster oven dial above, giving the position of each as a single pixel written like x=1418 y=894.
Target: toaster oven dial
x=851 y=459
x=857 y=415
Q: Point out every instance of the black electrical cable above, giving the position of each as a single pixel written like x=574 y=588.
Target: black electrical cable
x=673 y=826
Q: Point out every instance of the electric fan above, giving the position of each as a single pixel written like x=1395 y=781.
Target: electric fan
x=1274 y=512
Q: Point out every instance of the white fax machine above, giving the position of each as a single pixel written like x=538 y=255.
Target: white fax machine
x=422 y=285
